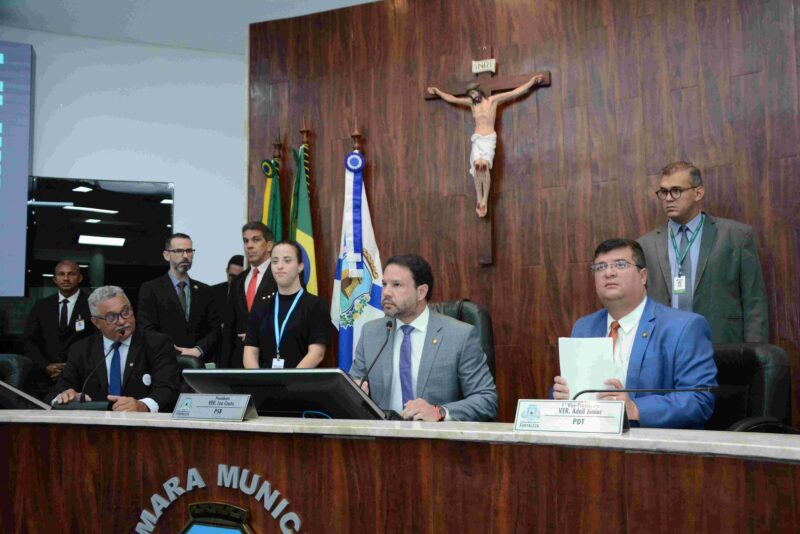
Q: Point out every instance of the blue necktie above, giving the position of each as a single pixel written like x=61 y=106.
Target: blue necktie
x=405 y=364
x=685 y=299
x=115 y=373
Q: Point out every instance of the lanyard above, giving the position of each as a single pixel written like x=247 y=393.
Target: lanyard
x=680 y=257
x=279 y=332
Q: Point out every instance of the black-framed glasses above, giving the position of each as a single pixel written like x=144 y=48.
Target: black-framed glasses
x=675 y=192
x=113 y=317
x=619 y=265
x=182 y=251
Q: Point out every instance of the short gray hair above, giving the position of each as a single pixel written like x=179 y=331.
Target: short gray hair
x=104 y=293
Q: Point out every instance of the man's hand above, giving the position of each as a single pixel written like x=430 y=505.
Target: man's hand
x=364 y=386
x=127 y=404
x=186 y=351
x=630 y=406
x=68 y=396
x=419 y=410
x=560 y=389
x=54 y=370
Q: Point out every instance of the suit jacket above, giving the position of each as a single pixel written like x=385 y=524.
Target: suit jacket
x=150 y=353
x=452 y=372
x=729 y=287
x=160 y=310
x=672 y=349
x=238 y=315
x=220 y=294
x=44 y=343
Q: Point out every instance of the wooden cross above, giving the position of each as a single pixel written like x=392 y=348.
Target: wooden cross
x=489 y=84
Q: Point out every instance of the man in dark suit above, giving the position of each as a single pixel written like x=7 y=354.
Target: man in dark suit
x=248 y=291
x=134 y=370
x=54 y=325
x=708 y=265
x=221 y=290
x=180 y=307
x=434 y=369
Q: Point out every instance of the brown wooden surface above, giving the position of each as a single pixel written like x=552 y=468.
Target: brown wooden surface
x=635 y=84
x=76 y=478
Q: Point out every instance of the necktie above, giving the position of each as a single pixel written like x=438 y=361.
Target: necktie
x=405 y=364
x=182 y=295
x=685 y=299
x=614 y=334
x=115 y=373
x=251 y=289
x=63 y=320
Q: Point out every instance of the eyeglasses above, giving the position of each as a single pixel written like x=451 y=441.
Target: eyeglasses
x=675 y=193
x=182 y=251
x=113 y=317
x=619 y=265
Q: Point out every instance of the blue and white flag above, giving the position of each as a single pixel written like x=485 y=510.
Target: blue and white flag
x=358 y=284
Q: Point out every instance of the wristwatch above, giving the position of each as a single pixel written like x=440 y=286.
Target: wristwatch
x=441 y=413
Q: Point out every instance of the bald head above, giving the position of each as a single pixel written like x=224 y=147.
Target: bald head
x=67 y=277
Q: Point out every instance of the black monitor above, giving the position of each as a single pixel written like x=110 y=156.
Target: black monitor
x=13 y=399
x=324 y=393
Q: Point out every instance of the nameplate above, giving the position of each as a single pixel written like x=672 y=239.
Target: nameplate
x=202 y=407
x=601 y=417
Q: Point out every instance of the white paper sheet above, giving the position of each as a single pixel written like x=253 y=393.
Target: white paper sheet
x=585 y=363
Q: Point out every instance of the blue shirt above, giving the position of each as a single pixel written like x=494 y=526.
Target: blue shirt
x=186 y=292
x=694 y=251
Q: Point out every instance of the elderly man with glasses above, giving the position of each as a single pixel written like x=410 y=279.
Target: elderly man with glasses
x=133 y=370
x=655 y=346
x=181 y=307
x=708 y=265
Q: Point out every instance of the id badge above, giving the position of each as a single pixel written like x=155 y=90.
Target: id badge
x=277 y=363
x=79 y=325
x=679 y=285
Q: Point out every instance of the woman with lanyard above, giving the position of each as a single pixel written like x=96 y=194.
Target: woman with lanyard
x=291 y=329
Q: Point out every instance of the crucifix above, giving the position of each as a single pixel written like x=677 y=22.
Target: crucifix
x=478 y=95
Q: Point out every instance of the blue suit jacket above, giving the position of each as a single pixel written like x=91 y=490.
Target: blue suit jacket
x=672 y=349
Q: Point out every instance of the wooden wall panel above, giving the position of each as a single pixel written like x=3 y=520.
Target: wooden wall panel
x=636 y=84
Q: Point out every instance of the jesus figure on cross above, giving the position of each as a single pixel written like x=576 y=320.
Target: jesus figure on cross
x=484 y=140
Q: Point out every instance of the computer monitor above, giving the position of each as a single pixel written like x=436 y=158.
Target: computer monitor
x=325 y=393
x=13 y=399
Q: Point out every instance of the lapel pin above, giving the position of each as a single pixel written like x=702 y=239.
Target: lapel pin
x=130 y=364
x=644 y=334
x=435 y=341
x=194 y=287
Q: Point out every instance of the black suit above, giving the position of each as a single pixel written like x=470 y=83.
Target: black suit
x=220 y=294
x=150 y=353
x=160 y=310
x=233 y=350
x=46 y=344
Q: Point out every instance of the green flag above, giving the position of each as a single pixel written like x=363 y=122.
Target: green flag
x=272 y=214
x=300 y=227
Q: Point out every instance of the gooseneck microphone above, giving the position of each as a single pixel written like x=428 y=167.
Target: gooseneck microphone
x=705 y=389
x=114 y=345
x=389 y=326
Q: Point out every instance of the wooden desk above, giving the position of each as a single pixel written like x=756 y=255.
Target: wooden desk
x=96 y=472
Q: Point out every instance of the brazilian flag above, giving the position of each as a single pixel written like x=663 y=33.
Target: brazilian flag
x=271 y=214
x=300 y=228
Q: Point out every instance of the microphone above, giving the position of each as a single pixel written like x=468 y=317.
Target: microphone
x=705 y=389
x=96 y=367
x=389 y=326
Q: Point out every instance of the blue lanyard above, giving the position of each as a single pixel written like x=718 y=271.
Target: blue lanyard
x=279 y=332
x=680 y=257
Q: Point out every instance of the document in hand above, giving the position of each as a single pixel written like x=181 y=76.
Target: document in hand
x=585 y=363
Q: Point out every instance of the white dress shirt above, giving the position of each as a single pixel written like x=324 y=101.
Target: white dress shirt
x=420 y=325
x=261 y=271
x=71 y=301
x=626 y=335
x=124 y=347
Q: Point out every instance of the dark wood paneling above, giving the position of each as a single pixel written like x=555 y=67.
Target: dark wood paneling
x=636 y=84
x=79 y=478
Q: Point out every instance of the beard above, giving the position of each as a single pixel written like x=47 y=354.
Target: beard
x=477 y=99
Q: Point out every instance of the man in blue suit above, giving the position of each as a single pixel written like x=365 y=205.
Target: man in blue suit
x=657 y=347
